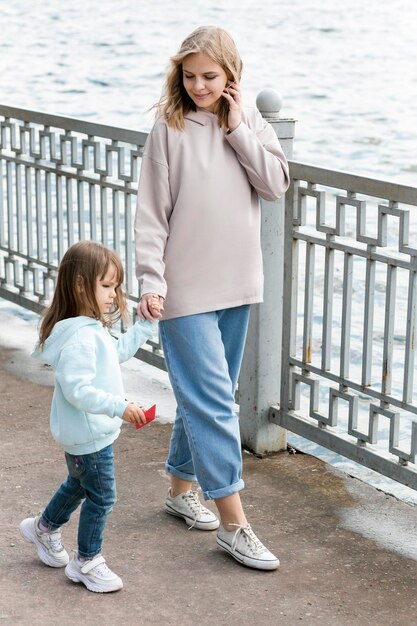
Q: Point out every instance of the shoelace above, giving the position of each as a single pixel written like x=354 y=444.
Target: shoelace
x=194 y=503
x=249 y=536
x=55 y=542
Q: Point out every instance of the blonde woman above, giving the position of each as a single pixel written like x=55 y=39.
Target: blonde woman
x=206 y=162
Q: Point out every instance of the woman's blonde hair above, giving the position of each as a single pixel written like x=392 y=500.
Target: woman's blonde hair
x=217 y=44
x=75 y=290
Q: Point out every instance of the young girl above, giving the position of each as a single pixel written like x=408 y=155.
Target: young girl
x=88 y=406
x=206 y=162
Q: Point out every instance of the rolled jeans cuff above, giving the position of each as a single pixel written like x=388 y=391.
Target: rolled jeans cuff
x=214 y=494
x=183 y=475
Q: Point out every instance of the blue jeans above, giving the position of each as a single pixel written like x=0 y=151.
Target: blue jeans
x=90 y=478
x=203 y=353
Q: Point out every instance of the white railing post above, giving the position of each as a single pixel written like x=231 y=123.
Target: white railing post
x=260 y=378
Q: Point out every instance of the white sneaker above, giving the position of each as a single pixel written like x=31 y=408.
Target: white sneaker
x=188 y=506
x=245 y=547
x=94 y=574
x=48 y=544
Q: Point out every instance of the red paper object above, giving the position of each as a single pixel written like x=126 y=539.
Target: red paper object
x=150 y=415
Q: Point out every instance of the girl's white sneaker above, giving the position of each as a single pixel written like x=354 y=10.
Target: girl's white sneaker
x=94 y=574
x=48 y=544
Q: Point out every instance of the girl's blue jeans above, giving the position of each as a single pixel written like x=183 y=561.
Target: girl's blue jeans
x=90 y=478
x=203 y=353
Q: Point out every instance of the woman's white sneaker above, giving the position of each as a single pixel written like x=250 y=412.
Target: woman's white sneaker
x=48 y=544
x=188 y=506
x=94 y=574
x=245 y=547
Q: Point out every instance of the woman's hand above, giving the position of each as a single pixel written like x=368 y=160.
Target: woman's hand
x=150 y=307
x=232 y=94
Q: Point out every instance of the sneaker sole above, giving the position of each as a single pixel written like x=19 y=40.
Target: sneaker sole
x=42 y=554
x=249 y=562
x=190 y=521
x=78 y=577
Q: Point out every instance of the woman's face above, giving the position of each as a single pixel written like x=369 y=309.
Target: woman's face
x=204 y=80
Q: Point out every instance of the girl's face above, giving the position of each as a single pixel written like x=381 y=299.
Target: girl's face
x=106 y=290
x=204 y=80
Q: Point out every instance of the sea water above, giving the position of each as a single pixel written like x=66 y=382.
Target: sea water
x=346 y=70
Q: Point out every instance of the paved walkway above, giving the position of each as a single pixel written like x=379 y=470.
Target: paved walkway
x=348 y=552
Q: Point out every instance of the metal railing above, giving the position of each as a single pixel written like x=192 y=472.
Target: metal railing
x=331 y=352
x=350 y=318
x=63 y=180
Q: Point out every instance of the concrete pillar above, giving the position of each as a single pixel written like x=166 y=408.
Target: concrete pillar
x=260 y=378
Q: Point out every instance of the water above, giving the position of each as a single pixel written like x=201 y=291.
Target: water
x=345 y=70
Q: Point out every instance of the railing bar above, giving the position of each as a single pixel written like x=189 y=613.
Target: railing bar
x=294 y=300
x=368 y=326
x=10 y=208
x=93 y=213
x=39 y=213
x=117 y=223
x=290 y=295
x=104 y=216
x=19 y=214
x=389 y=322
x=88 y=128
x=60 y=215
x=351 y=182
x=29 y=211
x=410 y=340
x=347 y=383
x=70 y=211
x=29 y=259
x=49 y=219
x=327 y=308
x=308 y=302
x=128 y=225
x=369 y=458
x=360 y=252
x=81 y=210
x=76 y=175
x=346 y=315
x=3 y=214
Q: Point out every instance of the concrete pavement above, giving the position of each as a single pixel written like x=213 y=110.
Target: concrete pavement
x=348 y=552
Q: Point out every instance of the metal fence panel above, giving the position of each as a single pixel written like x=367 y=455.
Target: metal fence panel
x=350 y=319
x=61 y=181
x=348 y=314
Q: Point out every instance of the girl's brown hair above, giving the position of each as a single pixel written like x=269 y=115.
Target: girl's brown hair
x=80 y=267
x=216 y=43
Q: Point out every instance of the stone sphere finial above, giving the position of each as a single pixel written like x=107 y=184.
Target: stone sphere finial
x=269 y=102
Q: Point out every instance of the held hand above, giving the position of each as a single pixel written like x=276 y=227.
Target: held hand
x=150 y=307
x=134 y=414
x=232 y=94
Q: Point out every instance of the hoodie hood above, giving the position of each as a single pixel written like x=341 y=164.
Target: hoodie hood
x=60 y=334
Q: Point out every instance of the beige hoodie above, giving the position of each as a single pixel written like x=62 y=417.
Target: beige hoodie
x=197 y=225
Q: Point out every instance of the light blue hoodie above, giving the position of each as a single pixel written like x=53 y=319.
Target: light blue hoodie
x=88 y=400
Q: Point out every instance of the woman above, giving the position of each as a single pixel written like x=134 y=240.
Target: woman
x=199 y=266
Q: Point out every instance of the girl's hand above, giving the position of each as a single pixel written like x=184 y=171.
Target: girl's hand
x=134 y=414
x=150 y=307
x=232 y=94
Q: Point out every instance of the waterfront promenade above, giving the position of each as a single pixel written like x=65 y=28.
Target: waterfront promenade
x=315 y=518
